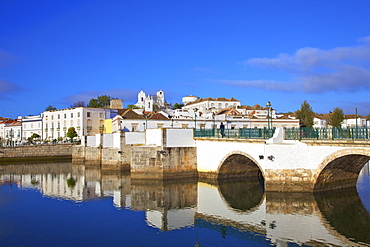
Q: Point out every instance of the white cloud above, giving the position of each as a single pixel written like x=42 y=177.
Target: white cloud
x=317 y=70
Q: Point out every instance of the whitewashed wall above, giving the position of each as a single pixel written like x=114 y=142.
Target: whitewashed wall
x=90 y=141
x=179 y=138
x=134 y=138
x=154 y=137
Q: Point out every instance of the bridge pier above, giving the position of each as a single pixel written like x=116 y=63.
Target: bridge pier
x=289 y=180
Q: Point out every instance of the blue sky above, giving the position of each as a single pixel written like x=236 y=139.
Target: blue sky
x=60 y=52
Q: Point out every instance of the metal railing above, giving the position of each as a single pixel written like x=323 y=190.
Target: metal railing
x=351 y=133
x=235 y=133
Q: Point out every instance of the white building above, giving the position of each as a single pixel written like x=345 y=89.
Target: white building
x=13 y=131
x=31 y=125
x=211 y=105
x=354 y=120
x=148 y=102
x=85 y=120
x=189 y=99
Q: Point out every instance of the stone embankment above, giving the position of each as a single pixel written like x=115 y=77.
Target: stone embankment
x=39 y=153
x=104 y=158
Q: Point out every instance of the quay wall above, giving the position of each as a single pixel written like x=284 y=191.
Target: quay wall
x=35 y=153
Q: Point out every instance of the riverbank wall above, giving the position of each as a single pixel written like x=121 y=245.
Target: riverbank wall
x=38 y=153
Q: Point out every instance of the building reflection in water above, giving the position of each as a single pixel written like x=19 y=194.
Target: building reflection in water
x=240 y=209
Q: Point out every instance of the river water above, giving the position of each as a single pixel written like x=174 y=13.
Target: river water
x=61 y=204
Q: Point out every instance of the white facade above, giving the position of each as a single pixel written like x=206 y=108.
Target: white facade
x=13 y=131
x=203 y=105
x=319 y=122
x=146 y=102
x=189 y=99
x=351 y=122
x=31 y=125
x=86 y=121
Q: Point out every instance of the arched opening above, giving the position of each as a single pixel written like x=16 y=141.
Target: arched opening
x=242 y=168
x=341 y=172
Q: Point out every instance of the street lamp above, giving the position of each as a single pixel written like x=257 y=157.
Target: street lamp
x=195 y=118
x=269 y=124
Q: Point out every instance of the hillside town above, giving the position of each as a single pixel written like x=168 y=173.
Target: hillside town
x=152 y=111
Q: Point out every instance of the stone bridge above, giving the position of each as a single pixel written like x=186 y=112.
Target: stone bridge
x=281 y=165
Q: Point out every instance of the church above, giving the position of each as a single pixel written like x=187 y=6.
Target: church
x=150 y=103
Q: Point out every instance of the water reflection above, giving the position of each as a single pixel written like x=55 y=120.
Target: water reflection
x=234 y=208
x=346 y=214
x=241 y=195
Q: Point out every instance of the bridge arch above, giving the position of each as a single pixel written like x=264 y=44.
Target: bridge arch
x=239 y=165
x=341 y=169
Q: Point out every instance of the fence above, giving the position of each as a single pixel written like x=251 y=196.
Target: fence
x=352 y=133
x=235 y=133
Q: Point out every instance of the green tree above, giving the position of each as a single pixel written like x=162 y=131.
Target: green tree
x=305 y=115
x=132 y=107
x=336 y=117
x=177 y=106
x=102 y=101
x=50 y=108
x=71 y=133
x=33 y=137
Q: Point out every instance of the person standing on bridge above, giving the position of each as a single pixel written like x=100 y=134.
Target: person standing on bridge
x=222 y=129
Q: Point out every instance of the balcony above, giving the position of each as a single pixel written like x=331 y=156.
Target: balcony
x=88 y=127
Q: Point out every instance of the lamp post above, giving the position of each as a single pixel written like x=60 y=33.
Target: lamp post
x=195 y=118
x=214 y=123
x=269 y=124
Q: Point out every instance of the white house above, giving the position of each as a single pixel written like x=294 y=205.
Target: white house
x=85 y=120
x=210 y=104
x=354 y=120
x=13 y=131
x=31 y=125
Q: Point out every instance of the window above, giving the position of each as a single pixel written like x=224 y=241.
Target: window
x=65 y=115
x=52 y=117
x=58 y=116
x=101 y=114
x=88 y=114
x=72 y=115
x=134 y=127
x=78 y=114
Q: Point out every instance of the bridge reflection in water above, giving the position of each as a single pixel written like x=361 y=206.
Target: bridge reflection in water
x=232 y=207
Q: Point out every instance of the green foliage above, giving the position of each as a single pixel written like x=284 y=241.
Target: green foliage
x=71 y=182
x=132 y=107
x=177 y=106
x=35 y=136
x=71 y=133
x=102 y=101
x=336 y=117
x=305 y=115
x=50 y=108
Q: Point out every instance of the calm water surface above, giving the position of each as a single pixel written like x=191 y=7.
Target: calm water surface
x=62 y=204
